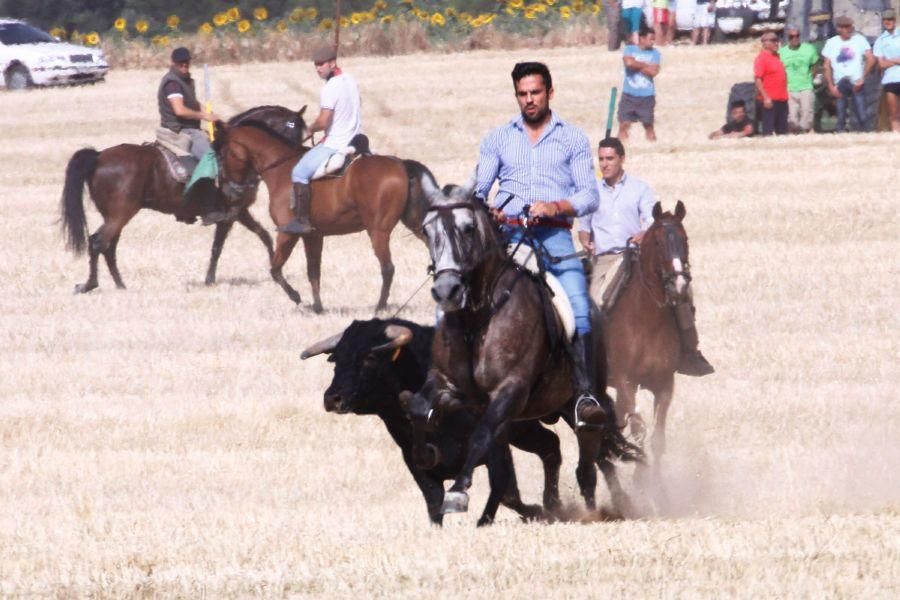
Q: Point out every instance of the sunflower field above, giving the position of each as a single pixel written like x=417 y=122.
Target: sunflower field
x=278 y=30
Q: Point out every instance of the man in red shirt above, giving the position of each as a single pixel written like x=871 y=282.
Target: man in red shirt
x=771 y=87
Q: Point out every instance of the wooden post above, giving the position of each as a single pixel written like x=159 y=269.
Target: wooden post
x=337 y=29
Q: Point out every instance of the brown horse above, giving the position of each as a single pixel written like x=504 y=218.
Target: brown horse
x=500 y=352
x=372 y=195
x=641 y=333
x=126 y=178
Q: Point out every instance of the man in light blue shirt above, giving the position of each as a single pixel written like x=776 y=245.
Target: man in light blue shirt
x=624 y=215
x=543 y=162
x=848 y=59
x=887 y=51
x=638 y=103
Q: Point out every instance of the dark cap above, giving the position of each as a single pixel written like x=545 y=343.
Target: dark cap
x=842 y=21
x=888 y=14
x=323 y=54
x=181 y=55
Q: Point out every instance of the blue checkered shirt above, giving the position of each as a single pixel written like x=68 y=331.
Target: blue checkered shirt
x=558 y=167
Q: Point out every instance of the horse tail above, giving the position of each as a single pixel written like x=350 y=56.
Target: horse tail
x=80 y=169
x=421 y=180
x=616 y=444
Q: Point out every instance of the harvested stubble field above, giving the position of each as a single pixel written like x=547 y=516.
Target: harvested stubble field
x=167 y=440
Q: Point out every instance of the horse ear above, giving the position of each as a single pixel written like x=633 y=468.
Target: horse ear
x=657 y=211
x=680 y=211
x=301 y=111
x=470 y=184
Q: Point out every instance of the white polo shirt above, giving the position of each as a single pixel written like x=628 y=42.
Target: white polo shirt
x=341 y=95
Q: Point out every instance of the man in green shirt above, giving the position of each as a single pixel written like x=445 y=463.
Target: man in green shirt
x=799 y=59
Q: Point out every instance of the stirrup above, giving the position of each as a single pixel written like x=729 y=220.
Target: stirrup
x=584 y=400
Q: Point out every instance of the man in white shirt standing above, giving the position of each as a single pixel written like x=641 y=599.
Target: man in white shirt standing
x=624 y=214
x=339 y=118
x=848 y=60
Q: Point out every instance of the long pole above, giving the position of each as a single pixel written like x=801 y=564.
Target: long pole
x=337 y=29
x=612 y=110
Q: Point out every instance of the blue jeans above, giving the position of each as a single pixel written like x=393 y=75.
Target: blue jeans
x=309 y=162
x=845 y=87
x=558 y=242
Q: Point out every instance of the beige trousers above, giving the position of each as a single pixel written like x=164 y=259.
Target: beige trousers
x=606 y=270
x=800 y=109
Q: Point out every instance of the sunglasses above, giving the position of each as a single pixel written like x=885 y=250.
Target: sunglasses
x=793 y=35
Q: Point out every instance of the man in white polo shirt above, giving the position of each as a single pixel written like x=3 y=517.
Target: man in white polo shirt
x=339 y=118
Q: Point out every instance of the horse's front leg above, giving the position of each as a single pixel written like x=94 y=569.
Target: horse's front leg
x=313 y=246
x=494 y=424
x=283 y=246
x=222 y=230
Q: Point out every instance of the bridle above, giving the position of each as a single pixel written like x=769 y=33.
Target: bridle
x=670 y=249
x=445 y=214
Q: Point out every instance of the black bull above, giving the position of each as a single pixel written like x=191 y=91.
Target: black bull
x=377 y=362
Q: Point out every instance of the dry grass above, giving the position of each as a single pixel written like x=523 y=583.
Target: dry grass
x=167 y=441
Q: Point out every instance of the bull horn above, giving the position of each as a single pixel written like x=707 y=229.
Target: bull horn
x=325 y=346
x=397 y=335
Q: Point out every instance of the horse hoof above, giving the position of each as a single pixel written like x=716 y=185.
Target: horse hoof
x=317 y=308
x=455 y=502
x=83 y=288
x=295 y=298
x=210 y=281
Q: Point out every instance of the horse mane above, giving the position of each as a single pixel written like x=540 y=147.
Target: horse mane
x=236 y=120
x=267 y=130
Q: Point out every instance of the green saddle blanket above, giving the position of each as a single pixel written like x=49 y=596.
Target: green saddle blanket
x=207 y=168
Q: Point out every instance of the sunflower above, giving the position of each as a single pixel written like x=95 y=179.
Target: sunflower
x=380 y=5
x=120 y=24
x=297 y=15
x=517 y=3
x=243 y=25
x=92 y=39
x=221 y=19
x=281 y=27
x=530 y=14
x=234 y=14
x=326 y=24
x=595 y=8
x=206 y=28
x=438 y=19
x=312 y=13
x=345 y=22
x=356 y=18
x=58 y=32
x=260 y=14
x=160 y=40
x=172 y=21
x=565 y=12
x=578 y=5
x=141 y=26
x=549 y=2
x=387 y=19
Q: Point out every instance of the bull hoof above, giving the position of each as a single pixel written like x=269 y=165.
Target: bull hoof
x=455 y=502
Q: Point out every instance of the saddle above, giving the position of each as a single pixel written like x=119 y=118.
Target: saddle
x=337 y=163
x=525 y=256
x=176 y=149
x=604 y=293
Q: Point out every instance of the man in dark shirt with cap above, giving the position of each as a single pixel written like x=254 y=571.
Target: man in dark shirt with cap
x=179 y=109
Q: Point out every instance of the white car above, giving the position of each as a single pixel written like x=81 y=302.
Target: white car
x=30 y=57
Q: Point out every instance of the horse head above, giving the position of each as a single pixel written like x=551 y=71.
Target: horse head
x=665 y=248
x=460 y=235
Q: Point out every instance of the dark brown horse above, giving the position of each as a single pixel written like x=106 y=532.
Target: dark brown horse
x=641 y=332
x=499 y=352
x=126 y=178
x=372 y=195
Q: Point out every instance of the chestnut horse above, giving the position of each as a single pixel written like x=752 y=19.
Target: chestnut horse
x=126 y=178
x=372 y=195
x=640 y=329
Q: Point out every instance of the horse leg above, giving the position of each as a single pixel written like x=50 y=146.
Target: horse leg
x=662 y=397
x=533 y=437
x=620 y=500
x=504 y=487
x=247 y=220
x=494 y=424
x=313 y=246
x=222 y=230
x=381 y=244
x=284 y=244
x=110 y=255
x=585 y=473
x=93 y=255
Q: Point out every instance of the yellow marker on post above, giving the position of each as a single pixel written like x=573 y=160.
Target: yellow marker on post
x=207 y=102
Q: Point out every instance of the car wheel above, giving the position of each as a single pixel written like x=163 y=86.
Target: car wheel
x=17 y=78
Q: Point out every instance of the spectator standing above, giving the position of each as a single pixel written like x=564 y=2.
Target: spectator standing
x=661 y=21
x=887 y=51
x=848 y=59
x=771 y=87
x=673 y=22
x=632 y=14
x=799 y=59
x=704 y=20
x=738 y=124
x=638 y=103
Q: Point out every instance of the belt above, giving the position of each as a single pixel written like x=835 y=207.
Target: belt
x=538 y=222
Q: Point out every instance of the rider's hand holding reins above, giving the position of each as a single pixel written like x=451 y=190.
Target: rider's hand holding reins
x=557 y=208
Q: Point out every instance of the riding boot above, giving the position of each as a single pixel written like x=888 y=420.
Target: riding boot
x=300 y=203
x=690 y=361
x=587 y=410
